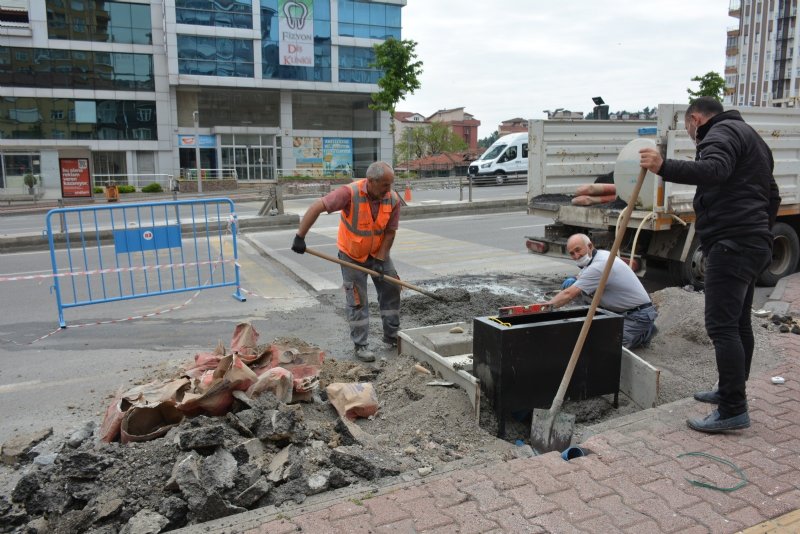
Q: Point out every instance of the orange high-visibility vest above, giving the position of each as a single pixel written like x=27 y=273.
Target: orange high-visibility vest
x=359 y=235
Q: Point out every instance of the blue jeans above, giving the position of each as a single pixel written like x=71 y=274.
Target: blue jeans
x=638 y=327
x=730 y=275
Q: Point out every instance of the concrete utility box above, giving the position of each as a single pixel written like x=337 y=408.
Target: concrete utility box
x=521 y=366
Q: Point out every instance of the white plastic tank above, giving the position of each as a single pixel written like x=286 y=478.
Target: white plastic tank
x=626 y=171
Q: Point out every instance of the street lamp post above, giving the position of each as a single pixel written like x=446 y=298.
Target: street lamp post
x=196 y=118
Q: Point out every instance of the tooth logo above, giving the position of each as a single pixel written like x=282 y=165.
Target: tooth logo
x=296 y=14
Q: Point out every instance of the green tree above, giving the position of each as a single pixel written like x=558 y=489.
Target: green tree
x=711 y=84
x=486 y=142
x=440 y=138
x=400 y=73
x=434 y=138
x=413 y=144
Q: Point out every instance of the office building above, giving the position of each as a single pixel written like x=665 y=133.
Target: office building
x=137 y=89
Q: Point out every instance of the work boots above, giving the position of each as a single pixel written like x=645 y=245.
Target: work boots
x=362 y=352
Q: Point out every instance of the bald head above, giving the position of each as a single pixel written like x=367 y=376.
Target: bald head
x=578 y=245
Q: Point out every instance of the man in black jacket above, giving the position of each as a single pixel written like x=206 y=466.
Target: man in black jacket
x=735 y=204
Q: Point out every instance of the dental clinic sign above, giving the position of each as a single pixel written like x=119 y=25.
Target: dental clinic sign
x=296 y=28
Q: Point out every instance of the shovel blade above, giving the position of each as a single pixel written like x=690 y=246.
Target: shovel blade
x=551 y=432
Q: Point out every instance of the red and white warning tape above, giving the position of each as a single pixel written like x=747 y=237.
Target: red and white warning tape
x=116 y=270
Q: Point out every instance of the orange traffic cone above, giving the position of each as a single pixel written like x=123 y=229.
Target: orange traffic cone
x=407 y=194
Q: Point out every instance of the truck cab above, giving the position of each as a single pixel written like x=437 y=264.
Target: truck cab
x=505 y=161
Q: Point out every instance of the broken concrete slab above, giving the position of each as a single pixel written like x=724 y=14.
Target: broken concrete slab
x=83 y=465
x=207 y=437
x=251 y=495
x=15 y=449
x=251 y=451
x=145 y=522
x=218 y=470
x=81 y=434
x=367 y=464
x=278 y=466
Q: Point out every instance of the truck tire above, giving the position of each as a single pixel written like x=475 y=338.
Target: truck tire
x=692 y=271
x=499 y=177
x=785 y=254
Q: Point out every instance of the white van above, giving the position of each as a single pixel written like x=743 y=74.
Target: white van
x=505 y=161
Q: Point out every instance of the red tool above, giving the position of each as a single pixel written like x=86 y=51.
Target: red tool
x=509 y=311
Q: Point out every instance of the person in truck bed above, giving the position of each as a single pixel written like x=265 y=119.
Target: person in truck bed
x=736 y=204
x=624 y=293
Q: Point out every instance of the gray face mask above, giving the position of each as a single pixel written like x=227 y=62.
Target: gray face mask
x=584 y=260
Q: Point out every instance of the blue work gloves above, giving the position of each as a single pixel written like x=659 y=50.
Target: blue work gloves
x=378 y=268
x=568 y=282
x=299 y=244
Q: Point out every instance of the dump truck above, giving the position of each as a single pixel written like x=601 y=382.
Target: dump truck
x=566 y=154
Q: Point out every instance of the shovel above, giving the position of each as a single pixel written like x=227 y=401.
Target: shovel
x=391 y=279
x=550 y=429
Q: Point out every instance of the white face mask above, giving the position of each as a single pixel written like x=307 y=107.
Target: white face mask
x=584 y=260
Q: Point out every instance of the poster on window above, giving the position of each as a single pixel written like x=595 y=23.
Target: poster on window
x=337 y=156
x=75 y=179
x=308 y=154
x=296 y=29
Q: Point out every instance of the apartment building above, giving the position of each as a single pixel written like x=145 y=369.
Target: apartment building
x=262 y=87
x=762 y=67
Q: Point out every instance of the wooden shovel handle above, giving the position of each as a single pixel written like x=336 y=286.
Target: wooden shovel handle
x=391 y=279
x=573 y=360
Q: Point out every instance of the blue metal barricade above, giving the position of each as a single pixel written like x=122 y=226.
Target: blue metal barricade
x=128 y=251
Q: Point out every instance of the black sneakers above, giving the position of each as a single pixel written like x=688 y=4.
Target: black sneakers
x=712 y=423
x=711 y=397
x=391 y=341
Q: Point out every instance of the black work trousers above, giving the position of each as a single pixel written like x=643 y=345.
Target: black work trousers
x=731 y=270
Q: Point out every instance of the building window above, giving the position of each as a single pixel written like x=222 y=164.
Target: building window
x=332 y=111
x=75 y=69
x=110 y=22
x=271 y=65
x=226 y=13
x=43 y=118
x=371 y=20
x=354 y=65
x=215 y=56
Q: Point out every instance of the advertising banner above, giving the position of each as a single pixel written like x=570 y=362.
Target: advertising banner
x=75 y=179
x=296 y=29
x=337 y=156
x=308 y=154
x=205 y=141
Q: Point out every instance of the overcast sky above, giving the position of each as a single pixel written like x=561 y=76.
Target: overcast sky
x=515 y=58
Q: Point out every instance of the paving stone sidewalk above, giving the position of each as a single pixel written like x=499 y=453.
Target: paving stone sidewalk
x=633 y=480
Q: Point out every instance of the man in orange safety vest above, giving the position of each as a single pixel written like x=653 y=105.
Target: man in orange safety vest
x=370 y=213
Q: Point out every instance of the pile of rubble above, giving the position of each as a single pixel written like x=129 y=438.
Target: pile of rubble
x=261 y=451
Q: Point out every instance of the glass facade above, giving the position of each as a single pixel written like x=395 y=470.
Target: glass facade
x=354 y=65
x=373 y=20
x=239 y=108
x=270 y=44
x=333 y=111
x=221 y=13
x=255 y=157
x=61 y=118
x=97 y=20
x=215 y=56
x=47 y=67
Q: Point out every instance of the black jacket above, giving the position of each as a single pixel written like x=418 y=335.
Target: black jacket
x=736 y=197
